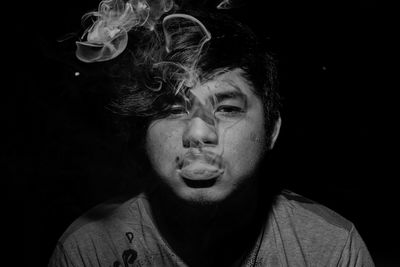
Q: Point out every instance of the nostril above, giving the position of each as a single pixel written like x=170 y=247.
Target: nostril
x=198 y=133
x=187 y=143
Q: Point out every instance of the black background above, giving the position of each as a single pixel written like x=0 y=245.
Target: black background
x=335 y=146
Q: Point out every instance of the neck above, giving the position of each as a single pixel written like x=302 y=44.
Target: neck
x=200 y=231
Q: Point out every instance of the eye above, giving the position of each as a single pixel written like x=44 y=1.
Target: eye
x=177 y=110
x=229 y=110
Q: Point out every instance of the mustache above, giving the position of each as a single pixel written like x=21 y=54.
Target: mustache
x=207 y=157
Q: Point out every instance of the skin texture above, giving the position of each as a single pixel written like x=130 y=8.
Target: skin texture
x=225 y=122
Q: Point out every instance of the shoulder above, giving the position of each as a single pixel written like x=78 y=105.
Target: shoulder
x=104 y=218
x=305 y=232
x=302 y=208
x=110 y=233
x=312 y=226
x=113 y=234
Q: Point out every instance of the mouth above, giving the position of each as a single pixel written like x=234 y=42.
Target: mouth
x=200 y=170
x=199 y=183
x=199 y=174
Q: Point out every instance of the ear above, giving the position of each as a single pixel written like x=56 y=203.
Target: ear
x=276 y=131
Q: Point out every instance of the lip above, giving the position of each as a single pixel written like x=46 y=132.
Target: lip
x=193 y=156
x=200 y=171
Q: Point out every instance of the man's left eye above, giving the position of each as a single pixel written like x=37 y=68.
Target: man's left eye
x=229 y=109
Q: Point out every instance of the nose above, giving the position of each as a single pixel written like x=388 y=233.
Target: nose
x=199 y=133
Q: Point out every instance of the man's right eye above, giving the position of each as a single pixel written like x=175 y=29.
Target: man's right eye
x=177 y=110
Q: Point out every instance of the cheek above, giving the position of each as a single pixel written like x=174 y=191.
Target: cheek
x=249 y=145
x=162 y=144
x=244 y=146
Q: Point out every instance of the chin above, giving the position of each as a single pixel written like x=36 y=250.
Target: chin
x=202 y=196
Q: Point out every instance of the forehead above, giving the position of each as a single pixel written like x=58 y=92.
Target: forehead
x=232 y=82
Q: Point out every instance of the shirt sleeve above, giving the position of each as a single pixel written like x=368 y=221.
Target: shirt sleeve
x=355 y=252
x=60 y=258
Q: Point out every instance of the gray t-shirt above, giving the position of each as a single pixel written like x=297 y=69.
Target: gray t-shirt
x=298 y=232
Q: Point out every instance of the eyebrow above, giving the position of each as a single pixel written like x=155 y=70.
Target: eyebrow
x=228 y=94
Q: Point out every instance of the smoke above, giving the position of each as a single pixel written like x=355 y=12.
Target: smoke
x=107 y=37
x=228 y=4
x=186 y=67
x=167 y=61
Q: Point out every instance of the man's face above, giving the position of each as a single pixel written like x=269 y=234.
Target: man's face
x=205 y=151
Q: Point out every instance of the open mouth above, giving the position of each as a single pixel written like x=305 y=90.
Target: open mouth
x=199 y=183
x=200 y=170
x=200 y=175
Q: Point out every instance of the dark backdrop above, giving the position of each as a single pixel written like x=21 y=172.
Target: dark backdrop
x=335 y=144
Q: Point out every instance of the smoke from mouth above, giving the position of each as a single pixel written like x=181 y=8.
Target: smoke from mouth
x=107 y=37
x=229 y=4
x=168 y=52
x=206 y=157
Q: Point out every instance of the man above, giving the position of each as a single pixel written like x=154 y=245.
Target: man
x=205 y=89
